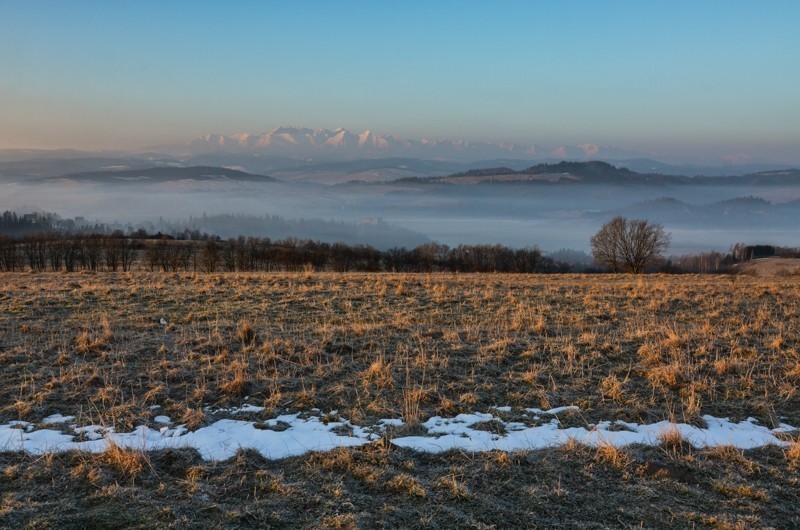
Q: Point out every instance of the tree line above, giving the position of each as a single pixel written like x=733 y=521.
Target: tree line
x=371 y=231
x=715 y=262
x=58 y=251
x=621 y=245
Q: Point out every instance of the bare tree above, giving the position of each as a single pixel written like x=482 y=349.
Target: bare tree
x=229 y=255
x=607 y=244
x=93 y=251
x=35 y=248
x=209 y=256
x=55 y=250
x=10 y=259
x=629 y=245
x=111 y=252
x=127 y=254
x=154 y=253
x=643 y=245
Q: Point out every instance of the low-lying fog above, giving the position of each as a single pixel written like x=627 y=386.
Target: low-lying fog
x=520 y=214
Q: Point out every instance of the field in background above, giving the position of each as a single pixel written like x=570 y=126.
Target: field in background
x=771 y=267
x=372 y=346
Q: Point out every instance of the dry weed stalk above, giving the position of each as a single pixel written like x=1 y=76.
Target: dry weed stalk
x=246 y=333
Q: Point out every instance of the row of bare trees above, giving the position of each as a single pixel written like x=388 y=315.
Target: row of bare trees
x=620 y=246
x=57 y=251
x=246 y=254
x=470 y=258
x=263 y=254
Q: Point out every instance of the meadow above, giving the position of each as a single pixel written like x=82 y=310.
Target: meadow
x=186 y=350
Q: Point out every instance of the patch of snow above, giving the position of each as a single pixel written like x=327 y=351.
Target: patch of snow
x=247 y=408
x=236 y=410
x=291 y=435
x=92 y=432
x=456 y=433
x=218 y=441
x=58 y=418
x=557 y=410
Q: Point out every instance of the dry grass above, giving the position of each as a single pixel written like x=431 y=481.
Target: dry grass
x=613 y=456
x=128 y=463
x=640 y=349
x=793 y=455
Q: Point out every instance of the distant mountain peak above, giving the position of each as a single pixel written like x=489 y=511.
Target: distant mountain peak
x=303 y=142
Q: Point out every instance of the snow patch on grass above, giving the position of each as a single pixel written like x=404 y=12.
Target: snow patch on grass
x=457 y=433
x=57 y=418
x=296 y=434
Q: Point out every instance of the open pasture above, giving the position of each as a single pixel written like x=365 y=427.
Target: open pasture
x=372 y=358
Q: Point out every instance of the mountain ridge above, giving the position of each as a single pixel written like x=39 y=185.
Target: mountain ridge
x=303 y=141
x=318 y=145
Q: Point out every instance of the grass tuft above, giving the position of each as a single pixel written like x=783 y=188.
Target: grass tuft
x=407 y=485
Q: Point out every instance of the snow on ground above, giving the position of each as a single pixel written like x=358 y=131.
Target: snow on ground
x=459 y=433
x=236 y=410
x=58 y=418
x=296 y=434
x=284 y=436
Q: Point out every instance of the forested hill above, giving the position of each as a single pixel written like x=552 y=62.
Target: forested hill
x=597 y=172
x=166 y=174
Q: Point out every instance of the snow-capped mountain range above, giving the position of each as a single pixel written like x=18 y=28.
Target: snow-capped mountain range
x=341 y=143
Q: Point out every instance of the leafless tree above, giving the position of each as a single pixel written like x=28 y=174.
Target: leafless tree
x=93 y=251
x=209 y=256
x=607 y=244
x=625 y=245
x=10 y=259
x=127 y=253
x=112 y=253
x=35 y=248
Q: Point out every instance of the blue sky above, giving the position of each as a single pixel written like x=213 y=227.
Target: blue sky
x=681 y=77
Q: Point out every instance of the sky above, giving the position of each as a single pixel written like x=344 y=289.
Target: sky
x=717 y=77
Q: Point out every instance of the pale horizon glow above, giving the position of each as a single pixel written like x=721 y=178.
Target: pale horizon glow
x=715 y=79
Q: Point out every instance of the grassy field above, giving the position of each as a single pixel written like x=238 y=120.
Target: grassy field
x=639 y=349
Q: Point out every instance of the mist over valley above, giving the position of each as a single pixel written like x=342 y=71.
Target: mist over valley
x=390 y=201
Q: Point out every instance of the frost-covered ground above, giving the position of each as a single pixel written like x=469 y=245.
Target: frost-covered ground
x=295 y=434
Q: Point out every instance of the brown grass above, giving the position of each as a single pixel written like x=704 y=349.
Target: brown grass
x=406 y=485
x=129 y=463
x=370 y=346
x=613 y=456
x=640 y=349
x=793 y=455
